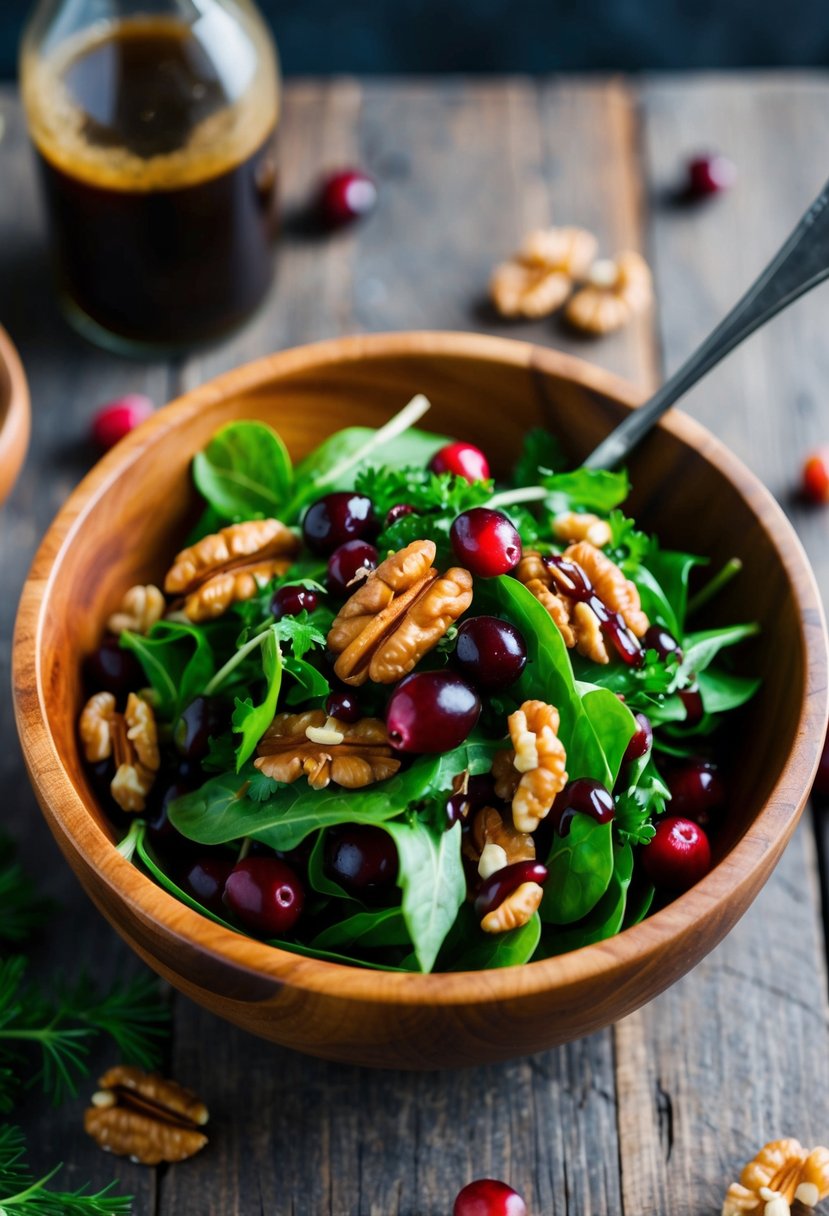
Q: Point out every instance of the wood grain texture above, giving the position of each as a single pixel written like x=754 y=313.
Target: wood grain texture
x=15 y=419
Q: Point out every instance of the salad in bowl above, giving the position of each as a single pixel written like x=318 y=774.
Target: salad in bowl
x=386 y=712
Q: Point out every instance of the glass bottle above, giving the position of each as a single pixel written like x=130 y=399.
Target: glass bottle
x=153 y=123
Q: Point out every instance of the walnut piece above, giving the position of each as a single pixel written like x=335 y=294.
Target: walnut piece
x=610 y=585
x=229 y=566
x=539 y=277
x=145 y=1117
x=131 y=737
x=291 y=748
x=616 y=290
x=140 y=608
x=517 y=909
x=578 y=525
x=539 y=757
x=397 y=615
x=95 y=727
x=494 y=842
x=782 y=1172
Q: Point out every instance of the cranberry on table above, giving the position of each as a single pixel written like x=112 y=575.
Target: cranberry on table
x=495 y=889
x=697 y=791
x=398 y=511
x=486 y=542
x=678 y=856
x=343 y=706
x=345 y=196
x=361 y=858
x=584 y=796
x=664 y=643
x=431 y=711
x=479 y=792
x=205 y=880
x=710 y=174
x=489 y=1197
x=336 y=518
x=113 y=669
x=816 y=476
x=641 y=740
x=491 y=653
x=462 y=459
x=265 y=895
x=203 y=717
x=291 y=599
x=345 y=563
x=116 y=419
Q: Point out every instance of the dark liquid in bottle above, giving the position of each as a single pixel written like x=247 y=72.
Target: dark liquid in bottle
x=162 y=194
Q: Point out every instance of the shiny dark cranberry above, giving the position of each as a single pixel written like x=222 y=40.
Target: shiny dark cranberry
x=821 y=782
x=583 y=796
x=345 y=563
x=697 y=791
x=462 y=459
x=202 y=718
x=489 y=1197
x=485 y=542
x=572 y=581
x=345 y=196
x=398 y=511
x=664 y=643
x=678 y=856
x=160 y=832
x=490 y=652
x=336 y=518
x=480 y=791
x=265 y=895
x=694 y=709
x=431 y=711
x=110 y=668
x=343 y=706
x=361 y=858
x=710 y=174
x=291 y=600
x=641 y=740
x=495 y=889
x=205 y=880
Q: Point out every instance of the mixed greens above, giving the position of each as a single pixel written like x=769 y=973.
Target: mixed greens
x=216 y=686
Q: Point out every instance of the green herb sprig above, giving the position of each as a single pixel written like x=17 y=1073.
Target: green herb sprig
x=21 y=1194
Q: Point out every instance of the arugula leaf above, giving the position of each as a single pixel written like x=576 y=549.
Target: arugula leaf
x=244 y=471
x=541 y=453
x=249 y=720
x=607 y=916
x=580 y=867
x=432 y=879
x=177 y=660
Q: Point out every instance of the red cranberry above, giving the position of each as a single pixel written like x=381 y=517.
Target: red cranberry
x=336 y=518
x=495 y=889
x=678 y=856
x=816 y=477
x=361 y=858
x=345 y=196
x=710 y=174
x=399 y=511
x=664 y=643
x=694 y=709
x=116 y=419
x=486 y=542
x=821 y=783
x=480 y=791
x=202 y=718
x=490 y=652
x=462 y=459
x=265 y=895
x=489 y=1197
x=343 y=706
x=641 y=740
x=291 y=600
x=205 y=881
x=697 y=791
x=583 y=796
x=113 y=669
x=431 y=711
x=345 y=563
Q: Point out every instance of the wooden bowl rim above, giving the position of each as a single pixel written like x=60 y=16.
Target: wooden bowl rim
x=15 y=419
x=635 y=947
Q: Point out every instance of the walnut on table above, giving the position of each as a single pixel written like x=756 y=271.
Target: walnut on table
x=145 y=1117
x=539 y=277
x=229 y=566
x=615 y=291
x=130 y=738
x=398 y=614
x=323 y=749
x=783 y=1172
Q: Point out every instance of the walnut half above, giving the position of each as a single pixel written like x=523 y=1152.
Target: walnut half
x=130 y=738
x=615 y=291
x=145 y=1117
x=539 y=277
x=323 y=749
x=539 y=759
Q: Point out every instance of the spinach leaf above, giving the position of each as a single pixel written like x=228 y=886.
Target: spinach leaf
x=249 y=720
x=607 y=916
x=640 y=898
x=700 y=648
x=585 y=490
x=580 y=868
x=317 y=876
x=332 y=956
x=720 y=691
x=244 y=471
x=663 y=586
x=177 y=660
x=470 y=949
x=432 y=879
x=366 y=931
x=612 y=722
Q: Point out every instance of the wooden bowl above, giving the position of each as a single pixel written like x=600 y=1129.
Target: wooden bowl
x=128 y=516
x=14 y=415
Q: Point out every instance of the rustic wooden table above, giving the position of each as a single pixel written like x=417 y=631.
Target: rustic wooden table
x=655 y=1115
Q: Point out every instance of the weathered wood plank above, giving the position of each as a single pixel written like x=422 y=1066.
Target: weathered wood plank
x=735 y=1054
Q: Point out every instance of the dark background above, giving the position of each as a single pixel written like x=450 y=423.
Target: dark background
x=319 y=36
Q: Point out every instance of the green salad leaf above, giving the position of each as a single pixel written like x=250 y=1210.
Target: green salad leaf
x=432 y=879
x=245 y=471
x=249 y=720
x=178 y=662
x=468 y=948
x=366 y=931
x=606 y=917
x=541 y=453
x=580 y=867
x=585 y=490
